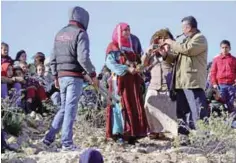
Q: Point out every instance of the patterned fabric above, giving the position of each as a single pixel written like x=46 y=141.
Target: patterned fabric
x=30 y=81
x=45 y=81
x=6 y=59
x=117 y=36
x=135 y=123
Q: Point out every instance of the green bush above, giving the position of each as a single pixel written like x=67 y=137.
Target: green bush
x=213 y=136
x=94 y=117
x=12 y=123
x=11 y=115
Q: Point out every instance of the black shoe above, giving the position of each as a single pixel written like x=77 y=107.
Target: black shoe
x=132 y=141
x=46 y=142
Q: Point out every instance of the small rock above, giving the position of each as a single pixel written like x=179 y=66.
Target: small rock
x=45 y=114
x=22 y=138
x=150 y=149
x=166 y=161
x=101 y=140
x=173 y=156
x=32 y=114
x=14 y=146
x=92 y=140
x=140 y=150
x=12 y=139
x=31 y=122
x=24 y=144
x=29 y=151
x=29 y=160
x=32 y=130
x=134 y=150
x=201 y=159
x=42 y=152
x=185 y=161
x=38 y=117
x=42 y=129
x=108 y=148
x=231 y=152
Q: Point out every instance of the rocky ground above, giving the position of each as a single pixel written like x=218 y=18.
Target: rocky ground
x=146 y=151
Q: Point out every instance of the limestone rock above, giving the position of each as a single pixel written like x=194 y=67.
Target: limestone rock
x=29 y=150
x=14 y=146
x=38 y=117
x=151 y=149
x=166 y=161
x=12 y=139
x=22 y=139
x=32 y=115
x=201 y=159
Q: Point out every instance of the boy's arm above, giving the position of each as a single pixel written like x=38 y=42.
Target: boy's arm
x=213 y=72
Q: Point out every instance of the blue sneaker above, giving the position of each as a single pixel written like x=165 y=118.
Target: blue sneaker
x=71 y=148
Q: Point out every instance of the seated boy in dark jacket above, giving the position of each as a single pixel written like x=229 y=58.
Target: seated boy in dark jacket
x=215 y=102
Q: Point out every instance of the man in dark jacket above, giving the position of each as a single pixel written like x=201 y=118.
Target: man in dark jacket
x=69 y=62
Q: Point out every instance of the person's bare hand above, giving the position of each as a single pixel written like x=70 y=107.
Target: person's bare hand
x=215 y=86
x=88 y=79
x=132 y=70
x=95 y=82
x=20 y=79
x=56 y=82
x=151 y=51
x=164 y=50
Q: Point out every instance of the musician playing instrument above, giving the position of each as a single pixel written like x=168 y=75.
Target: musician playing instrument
x=161 y=118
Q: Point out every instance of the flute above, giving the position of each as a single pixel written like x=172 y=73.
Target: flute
x=179 y=35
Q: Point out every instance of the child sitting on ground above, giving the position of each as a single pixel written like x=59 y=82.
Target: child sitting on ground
x=35 y=94
x=215 y=102
x=8 y=82
x=48 y=84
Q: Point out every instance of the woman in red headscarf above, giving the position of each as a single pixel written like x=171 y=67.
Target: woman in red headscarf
x=122 y=61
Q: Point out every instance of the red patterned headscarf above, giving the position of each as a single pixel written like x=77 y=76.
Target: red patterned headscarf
x=118 y=40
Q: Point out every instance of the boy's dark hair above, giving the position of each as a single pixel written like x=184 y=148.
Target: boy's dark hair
x=226 y=42
x=4 y=44
x=191 y=21
x=18 y=54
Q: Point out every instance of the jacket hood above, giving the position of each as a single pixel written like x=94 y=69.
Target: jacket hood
x=79 y=15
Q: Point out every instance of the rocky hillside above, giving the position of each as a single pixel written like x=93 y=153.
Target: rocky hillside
x=31 y=150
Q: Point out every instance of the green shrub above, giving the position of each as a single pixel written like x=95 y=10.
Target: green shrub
x=213 y=136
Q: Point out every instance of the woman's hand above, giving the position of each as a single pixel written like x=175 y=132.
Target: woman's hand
x=19 y=79
x=131 y=70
